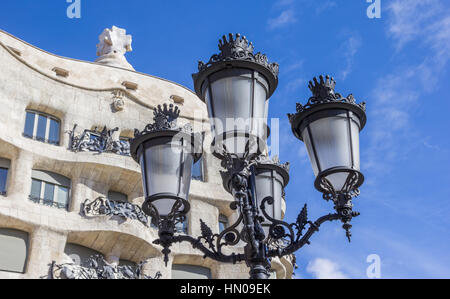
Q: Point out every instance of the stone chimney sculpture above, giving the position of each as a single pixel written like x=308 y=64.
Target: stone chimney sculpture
x=114 y=44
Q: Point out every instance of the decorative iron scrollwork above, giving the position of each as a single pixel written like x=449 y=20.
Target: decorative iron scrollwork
x=98 y=141
x=106 y=207
x=165 y=118
x=323 y=92
x=238 y=48
x=99 y=268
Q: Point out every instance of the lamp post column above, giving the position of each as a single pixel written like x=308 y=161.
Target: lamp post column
x=255 y=250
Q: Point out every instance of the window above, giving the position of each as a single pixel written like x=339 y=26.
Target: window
x=79 y=254
x=117 y=197
x=182 y=227
x=42 y=127
x=124 y=263
x=4 y=166
x=223 y=223
x=190 y=272
x=125 y=141
x=13 y=250
x=50 y=189
x=197 y=170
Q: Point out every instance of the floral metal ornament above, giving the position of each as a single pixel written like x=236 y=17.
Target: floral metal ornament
x=323 y=92
x=98 y=141
x=165 y=118
x=105 y=207
x=98 y=268
x=238 y=48
x=237 y=51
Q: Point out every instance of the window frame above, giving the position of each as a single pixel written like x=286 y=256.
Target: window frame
x=27 y=248
x=5 y=164
x=182 y=227
x=189 y=269
x=226 y=223
x=49 y=118
x=5 y=192
x=56 y=188
x=202 y=170
x=113 y=202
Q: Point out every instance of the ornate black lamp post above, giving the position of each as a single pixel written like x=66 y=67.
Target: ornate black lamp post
x=236 y=85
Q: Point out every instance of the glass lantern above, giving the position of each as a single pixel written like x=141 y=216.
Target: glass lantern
x=330 y=126
x=236 y=86
x=166 y=154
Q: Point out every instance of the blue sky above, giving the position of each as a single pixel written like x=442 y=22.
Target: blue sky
x=398 y=64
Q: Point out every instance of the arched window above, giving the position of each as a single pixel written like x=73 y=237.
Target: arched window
x=197 y=171
x=42 y=127
x=4 y=168
x=223 y=223
x=50 y=189
x=13 y=250
x=190 y=272
x=79 y=254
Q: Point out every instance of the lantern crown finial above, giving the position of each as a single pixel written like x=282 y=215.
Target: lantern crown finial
x=324 y=88
x=324 y=93
x=164 y=118
x=237 y=47
x=164 y=113
x=235 y=44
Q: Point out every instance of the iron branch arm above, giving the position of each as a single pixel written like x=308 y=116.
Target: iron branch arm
x=217 y=256
x=313 y=228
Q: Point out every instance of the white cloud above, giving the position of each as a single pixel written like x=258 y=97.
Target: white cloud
x=397 y=95
x=284 y=2
x=293 y=67
x=349 y=49
x=295 y=84
x=426 y=21
x=325 y=269
x=325 y=6
x=286 y=17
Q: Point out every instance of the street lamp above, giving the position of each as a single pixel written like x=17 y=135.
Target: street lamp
x=166 y=153
x=330 y=125
x=236 y=85
x=270 y=179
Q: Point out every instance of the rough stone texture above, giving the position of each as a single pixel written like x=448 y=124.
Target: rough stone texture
x=87 y=98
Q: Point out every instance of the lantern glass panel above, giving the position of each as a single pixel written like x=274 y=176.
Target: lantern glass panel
x=236 y=101
x=333 y=141
x=355 y=129
x=166 y=167
x=268 y=182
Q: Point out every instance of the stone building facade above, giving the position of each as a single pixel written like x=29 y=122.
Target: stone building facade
x=63 y=145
